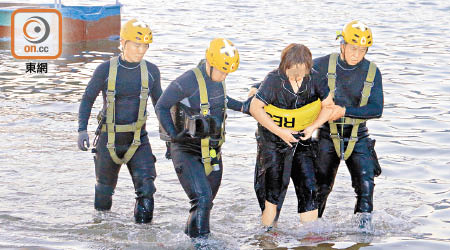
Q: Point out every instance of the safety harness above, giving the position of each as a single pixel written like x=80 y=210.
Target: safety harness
x=338 y=139
x=110 y=127
x=209 y=153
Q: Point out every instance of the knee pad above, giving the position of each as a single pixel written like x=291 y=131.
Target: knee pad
x=205 y=202
x=146 y=190
x=103 y=197
x=143 y=210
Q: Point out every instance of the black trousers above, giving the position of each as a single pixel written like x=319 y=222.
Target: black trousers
x=141 y=167
x=276 y=164
x=362 y=165
x=200 y=189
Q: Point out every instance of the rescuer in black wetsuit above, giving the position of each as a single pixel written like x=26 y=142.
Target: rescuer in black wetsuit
x=300 y=99
x=356 y=85
x=192 y=112
x=125 y=82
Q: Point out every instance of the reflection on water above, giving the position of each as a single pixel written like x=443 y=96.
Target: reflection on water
x=47 y=185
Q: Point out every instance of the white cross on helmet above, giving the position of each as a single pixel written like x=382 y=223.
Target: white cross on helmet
x=228 y=49
x=360 y=25
x=140 y=24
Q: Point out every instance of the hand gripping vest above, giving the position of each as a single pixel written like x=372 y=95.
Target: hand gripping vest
x=207 y=153
x=110 y=127
x=294 y=119
x=337 y=138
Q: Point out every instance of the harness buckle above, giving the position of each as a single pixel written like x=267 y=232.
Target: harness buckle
x=331 y=75
x=110 y=96
x=368 y=84
x=362 y=94
x=110 y=146
x=206 y=159
x=205 y=106
x=136 y=143
x=355 y=139
x=144 y=92
x=335 y=136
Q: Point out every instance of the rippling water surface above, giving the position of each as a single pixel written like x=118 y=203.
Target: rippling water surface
x=47 y=185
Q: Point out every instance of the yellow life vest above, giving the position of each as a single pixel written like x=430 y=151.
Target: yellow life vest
x=295 y=119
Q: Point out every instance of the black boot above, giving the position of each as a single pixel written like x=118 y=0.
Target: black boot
x=103 y=197
x=143 y=210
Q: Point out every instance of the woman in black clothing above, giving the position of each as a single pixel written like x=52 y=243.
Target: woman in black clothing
x=280 y=154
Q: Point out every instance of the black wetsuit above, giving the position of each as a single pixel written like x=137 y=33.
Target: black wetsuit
x=362 y=163
x=186 y=156
x=276 y=161
x=142 y=164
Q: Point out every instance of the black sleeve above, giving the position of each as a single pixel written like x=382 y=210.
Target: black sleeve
x=374 y=107
x=266 y=92
x=322 y=88
x=95 y=85
x=172 y=95
x=256 y=85
x=246 y=105
x=234 y=104
x=156 y=89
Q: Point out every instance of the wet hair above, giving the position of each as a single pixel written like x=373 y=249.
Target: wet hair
x=293 y=54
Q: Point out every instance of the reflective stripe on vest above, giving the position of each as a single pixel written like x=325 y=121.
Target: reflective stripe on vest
x=365 y=93
x=110 y=127
x=295 y=119
x=207 y=153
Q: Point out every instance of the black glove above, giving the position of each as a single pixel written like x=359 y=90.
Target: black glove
x=180 y=137
x=83 y=138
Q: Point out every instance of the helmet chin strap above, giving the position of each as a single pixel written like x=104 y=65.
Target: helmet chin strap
x=343 y=52
x=123 y=49
x=211 y=71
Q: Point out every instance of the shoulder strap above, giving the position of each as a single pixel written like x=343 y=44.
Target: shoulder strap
x=368 y=84
x=204 y=103
x=331 y=75
x=204 y=109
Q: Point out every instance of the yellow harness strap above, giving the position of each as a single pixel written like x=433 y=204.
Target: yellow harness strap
x=110 y=127
x=207 y=153
x=295 y=119
x=365 y=93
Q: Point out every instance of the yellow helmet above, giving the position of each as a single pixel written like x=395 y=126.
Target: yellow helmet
x=222 y=55
x=136 y=31
x=357 y=33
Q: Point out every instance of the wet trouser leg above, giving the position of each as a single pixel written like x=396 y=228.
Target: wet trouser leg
x=361 y=166
x=272 y=162
x=327 y=163
x=200 y=189
x=304 y=179
x=143 y=173
x=106 y=173
x=142 y=169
